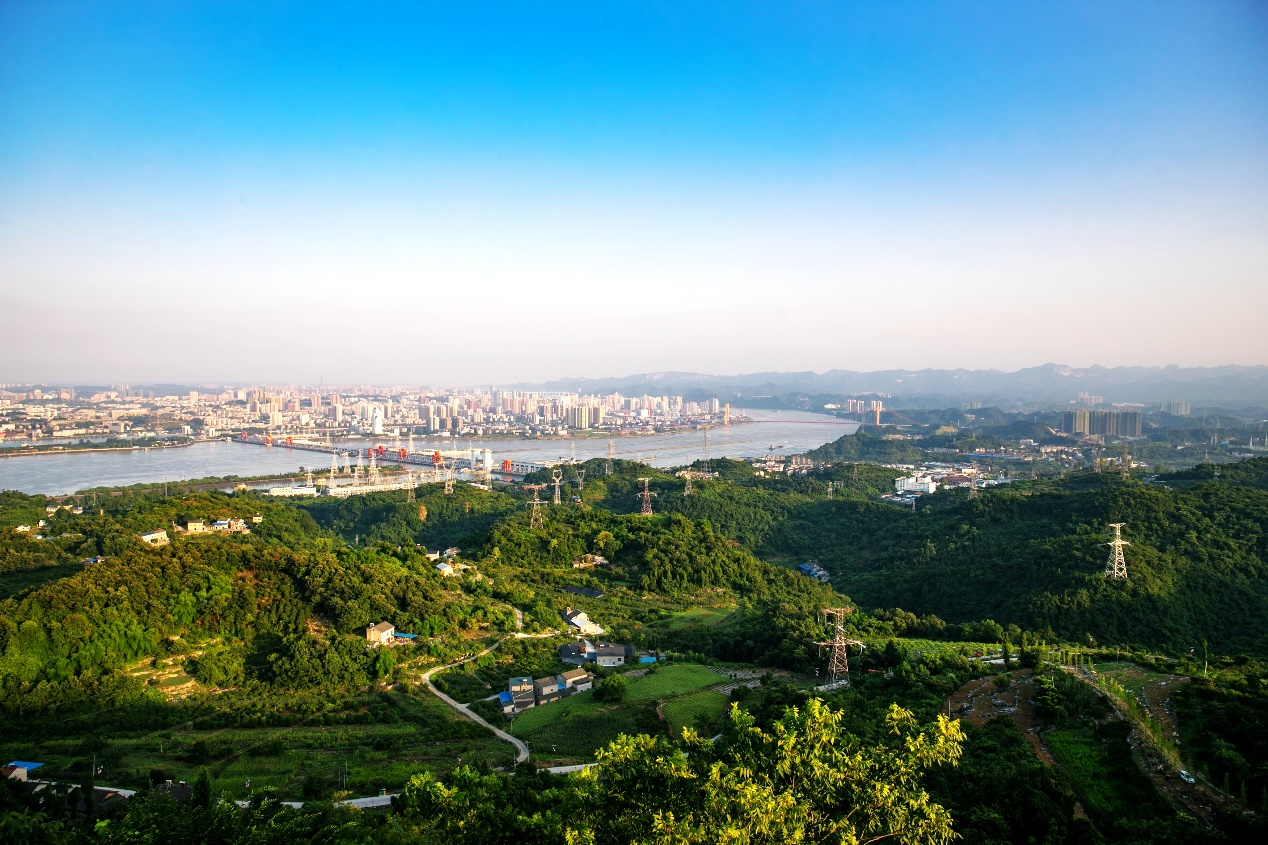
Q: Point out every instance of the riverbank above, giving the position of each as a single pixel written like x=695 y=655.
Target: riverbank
x=22 y=451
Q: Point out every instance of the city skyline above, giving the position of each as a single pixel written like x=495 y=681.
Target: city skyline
x=512 y=194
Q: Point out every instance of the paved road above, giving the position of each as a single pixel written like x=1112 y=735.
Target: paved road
x=521 y=750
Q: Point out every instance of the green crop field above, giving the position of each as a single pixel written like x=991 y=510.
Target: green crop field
x=364 y=757
x=572 y=729
x=538 y=717
x=675 y=679
x=706 y=616
x=687 y=711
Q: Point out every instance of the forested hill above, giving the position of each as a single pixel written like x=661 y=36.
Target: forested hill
x=1252 y=473
x=1033 y=554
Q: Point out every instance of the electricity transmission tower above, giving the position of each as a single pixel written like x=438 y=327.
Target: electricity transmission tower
x=409 y=490
x=704 y=457
x=446 y=472
x=557 y=475
x=688 y=474
x=581 y=485
x=1116 y=566
x=535 y=518
x=839 y=647
x=646 y=496
x=607 y=465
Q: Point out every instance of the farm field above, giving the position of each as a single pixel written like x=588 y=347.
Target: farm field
x=308 y=760
x=572 y=729
x=672 y=680
x=705 y=616
x=690 y=711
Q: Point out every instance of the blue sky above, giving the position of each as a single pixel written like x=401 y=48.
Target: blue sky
x=505 y=191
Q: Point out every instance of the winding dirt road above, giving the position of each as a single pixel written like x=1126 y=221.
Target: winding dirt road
x=521 y=749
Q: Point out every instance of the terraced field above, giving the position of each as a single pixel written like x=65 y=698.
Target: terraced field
x=691 y=711
x=673 y=680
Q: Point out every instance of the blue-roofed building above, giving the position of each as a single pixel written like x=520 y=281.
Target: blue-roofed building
x=507 y=702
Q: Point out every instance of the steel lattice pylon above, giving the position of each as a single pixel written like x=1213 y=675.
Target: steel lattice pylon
x=839 y=645
x=535 y=518
x=607 y=465
x=557 y=475
x=646 y=496
x=1116 y=566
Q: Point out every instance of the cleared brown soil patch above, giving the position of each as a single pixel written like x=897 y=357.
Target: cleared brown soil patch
x=979 y=701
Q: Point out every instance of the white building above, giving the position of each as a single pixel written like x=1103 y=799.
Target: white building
x=915 y=484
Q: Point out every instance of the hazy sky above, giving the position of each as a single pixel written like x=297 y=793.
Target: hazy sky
x=490 y=192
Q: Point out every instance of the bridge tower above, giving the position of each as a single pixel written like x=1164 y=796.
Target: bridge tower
x=838 y=646
x=646 y=496
x=1116 y=566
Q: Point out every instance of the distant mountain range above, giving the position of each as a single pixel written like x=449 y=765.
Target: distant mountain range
x=1230 y=386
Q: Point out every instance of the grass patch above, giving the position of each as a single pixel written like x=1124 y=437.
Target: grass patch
x=1103 y=773
x=694 y=710
x=672 y=680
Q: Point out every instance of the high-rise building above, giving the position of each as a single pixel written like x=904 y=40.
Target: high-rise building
x=1105 y=423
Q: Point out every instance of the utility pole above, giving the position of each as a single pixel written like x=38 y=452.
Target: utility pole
x=1116 y=566
x=646 y=496
x=607 y=465
x=839 y=645
x=535 y=518
x=557 y=475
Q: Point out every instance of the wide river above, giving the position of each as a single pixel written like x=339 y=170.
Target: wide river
x=774 y=432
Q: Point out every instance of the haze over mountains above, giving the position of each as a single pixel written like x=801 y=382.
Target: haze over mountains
x=1226 y=385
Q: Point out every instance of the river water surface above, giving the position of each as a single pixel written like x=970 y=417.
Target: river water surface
x=784 y=433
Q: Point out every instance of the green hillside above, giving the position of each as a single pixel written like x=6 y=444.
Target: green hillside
x=1032 y=554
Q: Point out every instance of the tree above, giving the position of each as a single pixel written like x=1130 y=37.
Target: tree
x=807 y=780
x=202 y=789
x=612 y=688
